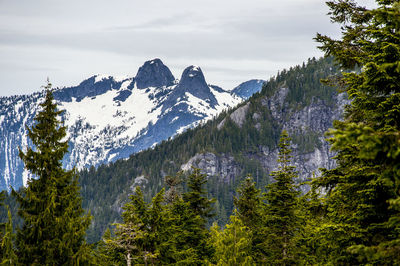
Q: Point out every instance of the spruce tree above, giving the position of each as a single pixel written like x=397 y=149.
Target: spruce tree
x=196 y=195
x=201 y=206
x=233 y=244
x=54 y=223
x=249 y=210
x=363 y=190
x=282 y=220
x=248 y=203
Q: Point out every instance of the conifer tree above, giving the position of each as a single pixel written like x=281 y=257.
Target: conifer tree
x=249 y=210
x=363 y=190
x=197 y=195
x=184 y=234
x=248 y=203
x=201 y=206
x=7 y=244
x=233 y=244
x=144 y=236
x=281 y=210
x=54 y=224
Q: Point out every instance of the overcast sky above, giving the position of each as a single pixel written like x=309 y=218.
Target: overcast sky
x=232 y=41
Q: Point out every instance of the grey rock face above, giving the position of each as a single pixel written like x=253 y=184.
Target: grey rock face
x=154 y=74
x=222 y=165
x=238 y=116
x=314 y=119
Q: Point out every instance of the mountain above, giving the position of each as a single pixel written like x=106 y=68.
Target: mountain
x=110 y=118
x=248 y=88
x=241 y=140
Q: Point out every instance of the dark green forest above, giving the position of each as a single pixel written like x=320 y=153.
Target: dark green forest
x=349 y=216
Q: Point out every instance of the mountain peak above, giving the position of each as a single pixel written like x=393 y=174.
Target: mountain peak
x=154 y=73
x=192 y=77
x=193 y=82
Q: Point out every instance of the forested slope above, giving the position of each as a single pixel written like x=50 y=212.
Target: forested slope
x=238 y=142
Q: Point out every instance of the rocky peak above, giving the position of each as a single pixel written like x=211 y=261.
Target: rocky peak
x=91 y=87
x=193 y=82
x=192 y=77
x=154 y=73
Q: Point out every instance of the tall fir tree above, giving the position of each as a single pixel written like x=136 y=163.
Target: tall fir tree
x=233 y=244
x=363 y=190
x=249 y=207
x=7 y=244
x=196 y=195
x=54 y=223
x=282 y=218
x=199 y=203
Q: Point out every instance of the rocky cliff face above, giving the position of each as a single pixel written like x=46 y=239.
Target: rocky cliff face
x=309 y=122
x=154 y=74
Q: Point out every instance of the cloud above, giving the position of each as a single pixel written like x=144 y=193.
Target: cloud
x=233 y=40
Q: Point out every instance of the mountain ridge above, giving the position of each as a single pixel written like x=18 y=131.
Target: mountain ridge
x=110 y=118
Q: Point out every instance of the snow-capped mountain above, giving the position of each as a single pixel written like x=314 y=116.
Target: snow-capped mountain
x=248 y=88
x=110 y=118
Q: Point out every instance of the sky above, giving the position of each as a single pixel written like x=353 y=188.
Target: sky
x=231 y=40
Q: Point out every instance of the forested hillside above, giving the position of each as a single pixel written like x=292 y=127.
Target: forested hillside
x=238 y=142
x=248 y=164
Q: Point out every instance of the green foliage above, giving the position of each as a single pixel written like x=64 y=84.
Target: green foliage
x=7 y=244
x=233 y=244
x=159 y=233
x=304 y=83
x=249 y=209
x=54 y=223
x=363 y=190
x=197 y=196
x=282 y=221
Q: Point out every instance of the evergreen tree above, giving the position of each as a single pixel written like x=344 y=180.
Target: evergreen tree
x=363 y=190
x=233 y=244
x=249 y=210
x=197 y=195
x=186 y=234
x=7 y=244
x=312 y=251
x=248 y=204
x=201 y=206
x=53 y=231
x=144 y=236
x=282 y=220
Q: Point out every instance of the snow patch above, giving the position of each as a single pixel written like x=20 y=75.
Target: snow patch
x=120 y=78
x=100 y=78
x=107 y=124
